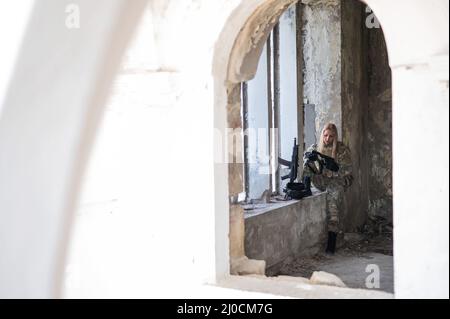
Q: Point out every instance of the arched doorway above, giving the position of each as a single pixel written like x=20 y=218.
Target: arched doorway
x=242 y=66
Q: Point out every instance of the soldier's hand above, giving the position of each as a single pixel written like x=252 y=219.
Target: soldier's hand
x=312 y=156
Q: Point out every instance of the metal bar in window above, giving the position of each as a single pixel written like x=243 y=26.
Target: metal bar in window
x=245 y=126
x=275 y=151
x=269 y=104
x=300 y=104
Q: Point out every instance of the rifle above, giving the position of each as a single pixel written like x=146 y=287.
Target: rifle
x=295 y=190
x=293 y=164
x=323 y=160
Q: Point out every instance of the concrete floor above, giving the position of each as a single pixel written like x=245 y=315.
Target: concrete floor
x=354 y=270
x=353 y=264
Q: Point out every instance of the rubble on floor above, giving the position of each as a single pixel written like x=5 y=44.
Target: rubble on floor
x=373 y=245
x=325 y=278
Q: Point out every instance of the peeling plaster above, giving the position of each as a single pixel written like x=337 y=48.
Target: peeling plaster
x=380 y=128
x=322 y=61
x=355 y=83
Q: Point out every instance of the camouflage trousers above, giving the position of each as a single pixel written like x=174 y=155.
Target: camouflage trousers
x=335 y=199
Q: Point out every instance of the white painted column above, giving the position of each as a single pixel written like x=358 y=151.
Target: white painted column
x=420 y=181
x=48 y=121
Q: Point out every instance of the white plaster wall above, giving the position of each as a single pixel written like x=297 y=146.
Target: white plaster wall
x=49 y=113
x=12 y=28
x=422 y=33
x=420 y=186
x=135 y=229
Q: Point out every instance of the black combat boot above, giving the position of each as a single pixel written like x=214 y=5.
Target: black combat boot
x=307 y=182
x=331 y=245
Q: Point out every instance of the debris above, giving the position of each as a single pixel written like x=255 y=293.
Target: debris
x=325 y=278
x=245 y=266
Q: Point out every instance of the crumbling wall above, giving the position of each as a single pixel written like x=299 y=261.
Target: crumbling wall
x=292 y=230
x=347 y=78
x=336 y=82
x=380 y=127
x=355 y=79
x=322 y=60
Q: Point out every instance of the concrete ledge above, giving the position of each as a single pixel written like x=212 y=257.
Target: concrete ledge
x=285 y=230
x=295 y=287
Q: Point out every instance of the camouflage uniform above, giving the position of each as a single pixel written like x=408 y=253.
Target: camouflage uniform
x=333 y=183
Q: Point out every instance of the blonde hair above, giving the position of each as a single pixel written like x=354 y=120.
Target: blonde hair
x=331 y=127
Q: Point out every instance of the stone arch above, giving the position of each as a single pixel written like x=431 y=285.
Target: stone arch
x=249 y=44
x=243 y=40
